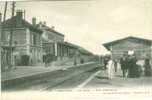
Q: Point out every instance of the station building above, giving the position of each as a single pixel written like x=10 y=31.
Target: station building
x=142 y=48
x=54 y=44
x=31 y=41
x=26 y=40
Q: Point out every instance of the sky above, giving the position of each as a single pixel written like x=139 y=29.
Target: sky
x=90 y=23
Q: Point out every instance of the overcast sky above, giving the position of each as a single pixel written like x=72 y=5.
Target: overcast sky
x=93 y=22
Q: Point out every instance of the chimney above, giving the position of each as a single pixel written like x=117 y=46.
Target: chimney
x=53 y=27
x=19 y=17
x=19 y=14
x=34 y=21
x=40 y=24
x=44 y=23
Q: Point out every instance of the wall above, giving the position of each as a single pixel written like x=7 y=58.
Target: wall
x=51 y=37
x=18 y=41
x=35 y=38
x=35 y=47
x=55 y=37
x=49 y=48
x=141 y=49
x=19 y=36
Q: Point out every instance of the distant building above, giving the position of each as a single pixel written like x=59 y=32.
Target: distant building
x=85 y=55
x=142 y=48
x=49 y=33
x=50 y=37
x=54 y=44
x=26 y=40
x=82 y=55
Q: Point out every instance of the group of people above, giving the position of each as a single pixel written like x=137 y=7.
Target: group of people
x=129 y=66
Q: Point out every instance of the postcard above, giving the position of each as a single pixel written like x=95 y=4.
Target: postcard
x=76 y=49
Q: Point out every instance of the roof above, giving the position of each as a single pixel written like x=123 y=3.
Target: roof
x=81 y=49
x=24 y=23
x=84 y=51
x=51 y=30
x=69 y=44
x=106 y=45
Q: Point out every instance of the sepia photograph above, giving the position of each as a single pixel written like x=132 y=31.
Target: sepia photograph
x=102 y=46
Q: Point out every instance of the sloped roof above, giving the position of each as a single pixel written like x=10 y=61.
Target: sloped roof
x=69 y=44
x=107 y=45
x=81 y=49
x=84 y=51
x=24 y=23
x=50 y=29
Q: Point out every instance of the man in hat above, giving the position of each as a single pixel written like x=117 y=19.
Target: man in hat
x=124 y=64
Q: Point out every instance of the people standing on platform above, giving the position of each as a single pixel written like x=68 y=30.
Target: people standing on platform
x=46 y=60
x=132 y=70
x=115 y=65
x=140 y=65
x=106 y=59
x=124 y=65
x=148 y=69
x=110 y=68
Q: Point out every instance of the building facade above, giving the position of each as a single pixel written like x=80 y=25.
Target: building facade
x=64 y=52
x=142 y=48
x=85 y=55
x=54 y=44
x=26 y=40
x=59 y=51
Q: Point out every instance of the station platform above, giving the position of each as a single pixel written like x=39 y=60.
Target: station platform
x=29 y=71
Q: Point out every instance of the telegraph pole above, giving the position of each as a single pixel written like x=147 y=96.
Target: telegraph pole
x=1 y=36
x=5 y=9
x=11 y=36
x=4 y=18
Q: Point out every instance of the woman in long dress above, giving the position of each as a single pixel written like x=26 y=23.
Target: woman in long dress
x=110 y=68
x=148 y=69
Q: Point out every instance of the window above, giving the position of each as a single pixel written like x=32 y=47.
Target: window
x=34 y=39
x=8 y=36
